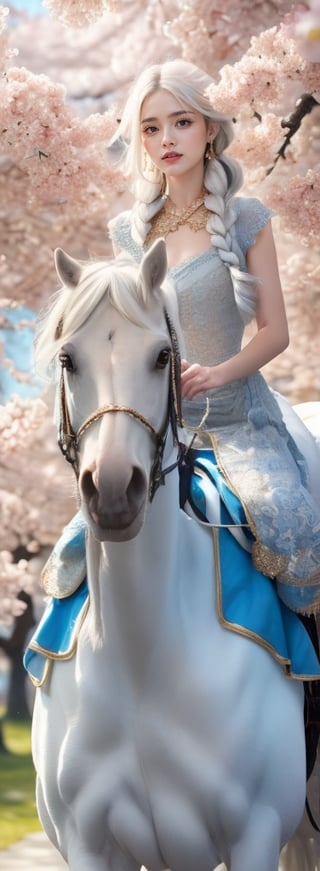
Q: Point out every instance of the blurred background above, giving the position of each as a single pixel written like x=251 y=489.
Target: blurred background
x=65 y=72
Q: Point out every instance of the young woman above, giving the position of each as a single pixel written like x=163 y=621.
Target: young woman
x=223 y=265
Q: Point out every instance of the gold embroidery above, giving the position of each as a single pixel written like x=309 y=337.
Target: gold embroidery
x=268 y=561
x=60 y=579
x=169 y=219
x=221 y=466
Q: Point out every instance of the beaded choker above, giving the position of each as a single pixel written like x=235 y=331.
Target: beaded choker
x=169 y=218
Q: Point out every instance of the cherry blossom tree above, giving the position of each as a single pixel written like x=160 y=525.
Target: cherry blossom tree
x=60 y=102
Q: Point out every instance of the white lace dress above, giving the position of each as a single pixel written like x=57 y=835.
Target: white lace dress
x=255 y=449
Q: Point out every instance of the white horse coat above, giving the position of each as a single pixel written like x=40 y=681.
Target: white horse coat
x=166 y=741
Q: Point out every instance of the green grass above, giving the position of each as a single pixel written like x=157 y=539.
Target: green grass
x=18 y=812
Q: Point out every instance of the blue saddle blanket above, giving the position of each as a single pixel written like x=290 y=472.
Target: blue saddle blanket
x=247 y=600
x=56 y=635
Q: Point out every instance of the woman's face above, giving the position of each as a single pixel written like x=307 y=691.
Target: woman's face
x=174 y=135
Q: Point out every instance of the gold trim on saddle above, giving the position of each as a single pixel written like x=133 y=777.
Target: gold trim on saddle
x=54 y=656
x=283 y=661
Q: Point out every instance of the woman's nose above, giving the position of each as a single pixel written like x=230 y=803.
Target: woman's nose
x=168 y=137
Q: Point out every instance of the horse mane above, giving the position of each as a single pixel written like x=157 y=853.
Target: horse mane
x=68 y=309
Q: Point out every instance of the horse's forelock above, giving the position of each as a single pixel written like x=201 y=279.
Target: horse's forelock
x=115 y=279
x=70 y=309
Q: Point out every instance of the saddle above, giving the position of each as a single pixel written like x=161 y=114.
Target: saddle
x=246 y=598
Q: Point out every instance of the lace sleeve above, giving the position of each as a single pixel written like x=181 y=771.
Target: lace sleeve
x=252 y=217
x=120 y=233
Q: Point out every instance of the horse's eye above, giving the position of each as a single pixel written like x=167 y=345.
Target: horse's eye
x=66 y=361
x=163 y=358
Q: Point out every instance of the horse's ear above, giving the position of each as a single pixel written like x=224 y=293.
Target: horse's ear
x=154 y=265
x=68 y=269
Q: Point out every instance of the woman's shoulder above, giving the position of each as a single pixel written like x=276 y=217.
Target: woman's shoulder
x=120 y=233
x=252 y=216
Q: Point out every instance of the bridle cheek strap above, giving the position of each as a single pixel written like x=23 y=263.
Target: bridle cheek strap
x=69 y=441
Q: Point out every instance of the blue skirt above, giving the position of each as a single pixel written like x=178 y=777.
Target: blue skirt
x=247 y=600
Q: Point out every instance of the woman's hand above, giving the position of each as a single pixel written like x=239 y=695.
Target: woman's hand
x=198 y=379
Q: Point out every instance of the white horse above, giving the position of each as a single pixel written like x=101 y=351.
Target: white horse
x=166 y=741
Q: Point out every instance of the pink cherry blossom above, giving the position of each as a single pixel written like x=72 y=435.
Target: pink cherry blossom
x=297 y=204
x=79 y=13
x=63 y=155
x=270 y=70
x=5 y=52
x=211 y=34
x=59 y=103
x=13 y=577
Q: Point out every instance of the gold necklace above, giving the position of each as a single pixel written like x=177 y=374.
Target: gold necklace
x=169 y=218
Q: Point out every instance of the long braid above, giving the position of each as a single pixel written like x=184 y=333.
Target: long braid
x=149 y=201
x=223 y=175
x=222 y=179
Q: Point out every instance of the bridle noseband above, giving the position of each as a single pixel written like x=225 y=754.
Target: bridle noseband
x=69 y=440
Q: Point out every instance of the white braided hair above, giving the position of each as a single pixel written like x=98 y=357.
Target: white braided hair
x=222 y=175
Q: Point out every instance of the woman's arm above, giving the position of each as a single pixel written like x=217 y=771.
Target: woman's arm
x=272 y=336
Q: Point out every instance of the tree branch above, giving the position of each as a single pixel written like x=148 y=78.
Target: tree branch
x=304 y=106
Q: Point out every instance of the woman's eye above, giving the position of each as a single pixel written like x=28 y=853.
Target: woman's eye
x=163 y=358
x=66 y=361
x=149 y=130
x=183 y=122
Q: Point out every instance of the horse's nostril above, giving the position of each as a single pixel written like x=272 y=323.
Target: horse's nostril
x=114 y=492
x=137 y=484
x=87 y=485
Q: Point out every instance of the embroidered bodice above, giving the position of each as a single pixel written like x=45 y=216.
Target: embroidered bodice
x=210 y=319
x=255 y=450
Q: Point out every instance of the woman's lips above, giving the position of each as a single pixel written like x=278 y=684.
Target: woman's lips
x=171 y=156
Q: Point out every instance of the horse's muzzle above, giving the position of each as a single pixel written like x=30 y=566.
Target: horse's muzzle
x=115 y=505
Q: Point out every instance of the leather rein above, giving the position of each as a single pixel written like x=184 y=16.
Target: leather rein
x=69 y=440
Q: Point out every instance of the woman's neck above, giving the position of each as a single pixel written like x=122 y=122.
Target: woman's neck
x=183 y=191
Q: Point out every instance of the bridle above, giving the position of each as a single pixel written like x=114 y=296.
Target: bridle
x=69 y=440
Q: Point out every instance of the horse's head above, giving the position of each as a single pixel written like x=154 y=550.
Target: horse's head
x=115 y=343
